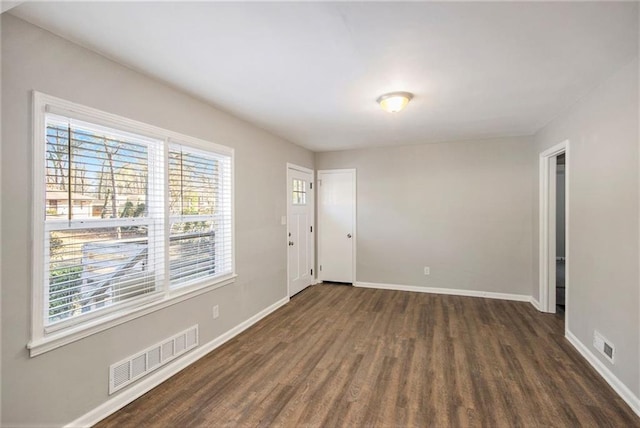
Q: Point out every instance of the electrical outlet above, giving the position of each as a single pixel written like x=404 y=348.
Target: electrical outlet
x=427 y=270
x=216 y=312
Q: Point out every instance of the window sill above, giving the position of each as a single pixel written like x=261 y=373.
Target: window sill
x=74 y=333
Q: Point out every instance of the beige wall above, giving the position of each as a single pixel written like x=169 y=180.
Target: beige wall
x=602 y=256
x=61 y=385
x=463 y=209
x=467 y=209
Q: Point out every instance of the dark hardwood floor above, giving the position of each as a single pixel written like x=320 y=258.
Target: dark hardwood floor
x=343 y=356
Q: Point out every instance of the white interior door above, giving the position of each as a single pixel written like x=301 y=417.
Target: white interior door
x=337 y=225
x=300 y=213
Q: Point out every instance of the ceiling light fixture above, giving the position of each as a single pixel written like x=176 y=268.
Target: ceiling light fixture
x=394 y=101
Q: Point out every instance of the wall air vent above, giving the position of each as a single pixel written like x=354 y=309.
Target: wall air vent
x=136 y=366
x=604 y=346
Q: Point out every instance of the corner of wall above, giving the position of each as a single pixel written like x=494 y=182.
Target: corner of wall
x=605 y=120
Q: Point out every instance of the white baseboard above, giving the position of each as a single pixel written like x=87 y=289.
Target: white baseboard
x=449 y=291
x=156 y=378
x=625 y=393
x=535 y=303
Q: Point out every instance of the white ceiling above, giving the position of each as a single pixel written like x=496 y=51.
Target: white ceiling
x=310 y=72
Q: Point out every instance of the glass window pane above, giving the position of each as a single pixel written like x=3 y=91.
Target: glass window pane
x=192 y=251
x=94 y=268
x=299 y=196
x=92 y=174
x=200 y=186
x=193 y=183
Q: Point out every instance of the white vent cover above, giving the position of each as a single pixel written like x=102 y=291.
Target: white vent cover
x=604 y=346
x=136 y=366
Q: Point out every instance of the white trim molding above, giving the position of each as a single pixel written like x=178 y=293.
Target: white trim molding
x=547 y=228
x=447 y=291
x=535 y=303
x=151 y=381
x=620 y=388
x=300 y=168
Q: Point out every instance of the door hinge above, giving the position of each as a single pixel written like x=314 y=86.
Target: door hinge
x=311 y=228
x=320 y=268
x=310 y=186
x=311 y=271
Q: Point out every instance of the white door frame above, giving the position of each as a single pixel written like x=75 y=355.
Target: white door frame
x=547 y=238
x=355 y=224
x=312 y=203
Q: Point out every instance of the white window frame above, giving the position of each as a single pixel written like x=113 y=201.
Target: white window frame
x=43 y=338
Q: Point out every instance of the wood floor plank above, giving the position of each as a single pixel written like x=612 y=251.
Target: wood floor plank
x=343 y=356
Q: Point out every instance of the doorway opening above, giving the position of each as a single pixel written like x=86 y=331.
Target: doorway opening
x=554 y=230
x=560 y=232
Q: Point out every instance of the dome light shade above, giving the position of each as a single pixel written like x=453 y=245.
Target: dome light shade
x=394 y=101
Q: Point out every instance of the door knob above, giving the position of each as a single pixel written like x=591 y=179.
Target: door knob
x=291 y=243
x=348 y=235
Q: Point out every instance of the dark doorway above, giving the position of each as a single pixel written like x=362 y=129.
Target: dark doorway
x=560 y=234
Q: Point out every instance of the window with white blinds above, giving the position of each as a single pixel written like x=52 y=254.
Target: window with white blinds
x=104 y=239
x=127 y=215
x=200 y=214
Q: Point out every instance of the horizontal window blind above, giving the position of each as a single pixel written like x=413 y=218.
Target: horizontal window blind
x=200 y=240
x=104 y=227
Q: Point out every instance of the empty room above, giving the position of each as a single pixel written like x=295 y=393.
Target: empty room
x=319 y=214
